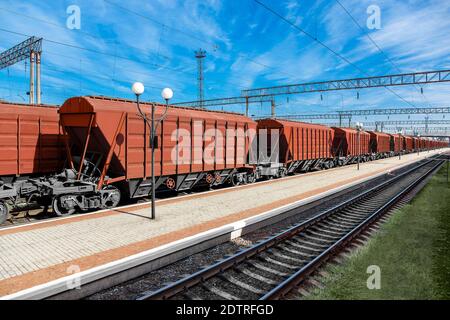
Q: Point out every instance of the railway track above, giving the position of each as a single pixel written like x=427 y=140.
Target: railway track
x=273 y=267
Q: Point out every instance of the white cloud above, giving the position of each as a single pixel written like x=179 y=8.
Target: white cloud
x=414 y=34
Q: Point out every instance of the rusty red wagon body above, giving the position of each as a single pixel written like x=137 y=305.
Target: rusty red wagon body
x=30 y=147
x=408 y=144
x=345 y=144
x=380 y=144
x=416 y=143
x=423 y=143
x=397 y=144
x=30 y=140
x=302 y=146
x=420 y=143
x=193 y=146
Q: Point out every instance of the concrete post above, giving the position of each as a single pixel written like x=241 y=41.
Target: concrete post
x=246 y=106
x=32 y=59
x=38 y=78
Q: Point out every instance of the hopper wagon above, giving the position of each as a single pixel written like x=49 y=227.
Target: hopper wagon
x=380 y=144
x=302 y=147
x=346 y=147
x=110 y=150
x=408 y=144
x=416 y=143
x=31 y=147
x=397 y=144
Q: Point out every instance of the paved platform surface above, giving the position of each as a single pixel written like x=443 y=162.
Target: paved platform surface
x=41 y=252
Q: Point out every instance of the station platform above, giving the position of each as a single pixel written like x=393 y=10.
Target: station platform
x=36 y=254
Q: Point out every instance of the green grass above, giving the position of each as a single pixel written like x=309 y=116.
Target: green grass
x=412 y=250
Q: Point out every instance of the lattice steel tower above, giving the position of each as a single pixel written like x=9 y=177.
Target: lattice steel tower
x=200 y=55
x=28 y=49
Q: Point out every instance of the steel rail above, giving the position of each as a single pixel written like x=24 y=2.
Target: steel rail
x=233 y=260
x=287 y=285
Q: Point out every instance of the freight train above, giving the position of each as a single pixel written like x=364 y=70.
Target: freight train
x=94 y=151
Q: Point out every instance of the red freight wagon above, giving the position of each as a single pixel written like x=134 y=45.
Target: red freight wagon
x=30 y=147
x=408 y=144
x=345 y=143
x=416 y=144
x=396 y=143
x=30 y=141
x=302 y=146
x=380 y=143
x=193 y=146
x=421 y=143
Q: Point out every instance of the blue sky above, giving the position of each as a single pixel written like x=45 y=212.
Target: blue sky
x=246 y=47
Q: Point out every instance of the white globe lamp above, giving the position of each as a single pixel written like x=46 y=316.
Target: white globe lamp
x=167 y=94
x=138 y=88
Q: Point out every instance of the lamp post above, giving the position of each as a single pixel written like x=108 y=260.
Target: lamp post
x=167 y=94
x=359 y=127
x=399 y=145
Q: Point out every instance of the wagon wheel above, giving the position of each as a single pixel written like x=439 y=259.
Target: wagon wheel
x=209 y=178
x=235 y=180
x=111 y=198
x=170 y=183
x=3 y=212
x=251 y=178
x=59 y=210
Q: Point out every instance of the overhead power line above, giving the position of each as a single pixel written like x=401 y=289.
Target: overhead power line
x=325 y=46
x=214 y=45
x=385 y=81
x=156 y=54
x=70 y=45
x=112 y=55
x=365 y=112
x=373 y=41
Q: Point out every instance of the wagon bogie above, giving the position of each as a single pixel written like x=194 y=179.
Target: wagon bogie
x=270 y=170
